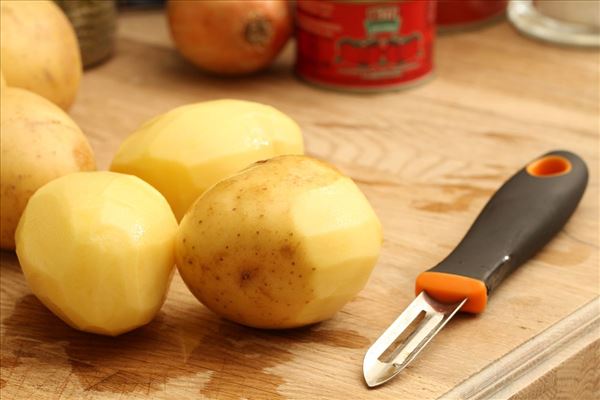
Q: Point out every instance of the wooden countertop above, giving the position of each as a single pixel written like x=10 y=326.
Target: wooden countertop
x=428 y=159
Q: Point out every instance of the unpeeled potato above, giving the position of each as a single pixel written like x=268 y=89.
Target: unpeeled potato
x=38 y=142
x=39 y=50
x=188 y=149
x=284 y=243
x=97 y=249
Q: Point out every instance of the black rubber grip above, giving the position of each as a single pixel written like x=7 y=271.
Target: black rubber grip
x=521 y=217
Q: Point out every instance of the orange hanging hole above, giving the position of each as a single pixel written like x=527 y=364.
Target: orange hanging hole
x=549 y=166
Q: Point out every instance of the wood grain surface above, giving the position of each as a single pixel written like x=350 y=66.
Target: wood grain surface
x=428 y=159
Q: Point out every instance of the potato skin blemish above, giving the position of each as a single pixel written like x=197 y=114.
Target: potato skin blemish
x=268 y=263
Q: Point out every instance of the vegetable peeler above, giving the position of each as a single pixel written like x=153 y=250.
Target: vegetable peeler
x=519 y=219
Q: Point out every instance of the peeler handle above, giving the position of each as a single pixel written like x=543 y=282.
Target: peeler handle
x=521 y=217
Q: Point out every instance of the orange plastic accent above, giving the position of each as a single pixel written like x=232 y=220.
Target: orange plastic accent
x=549 y=166
x=450 y=288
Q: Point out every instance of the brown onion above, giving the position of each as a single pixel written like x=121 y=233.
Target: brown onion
x=232 y=37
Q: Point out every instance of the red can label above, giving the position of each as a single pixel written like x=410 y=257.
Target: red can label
x=365 y=45
x=465 y=13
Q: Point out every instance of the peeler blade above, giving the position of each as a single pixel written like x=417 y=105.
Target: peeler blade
x=379 y=368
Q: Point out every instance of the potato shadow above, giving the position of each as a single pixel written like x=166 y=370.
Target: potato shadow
x=233 y=360
x=164 y=68
x=8 y=259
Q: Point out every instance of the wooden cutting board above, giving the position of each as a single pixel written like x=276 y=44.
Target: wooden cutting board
x=428 y=159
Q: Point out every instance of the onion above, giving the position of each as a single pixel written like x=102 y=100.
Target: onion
x=232 y=37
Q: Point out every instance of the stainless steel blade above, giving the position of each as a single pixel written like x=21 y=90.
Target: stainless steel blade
x=436 y=315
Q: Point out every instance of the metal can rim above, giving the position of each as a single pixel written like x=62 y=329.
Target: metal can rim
x=392 y=87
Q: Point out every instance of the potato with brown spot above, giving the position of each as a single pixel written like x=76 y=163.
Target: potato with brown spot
x=283 y=243
x=38 y=142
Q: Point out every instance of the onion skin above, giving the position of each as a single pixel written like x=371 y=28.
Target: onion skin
x=235 y=37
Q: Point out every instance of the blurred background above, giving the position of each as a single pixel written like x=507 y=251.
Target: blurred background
x=428 y=105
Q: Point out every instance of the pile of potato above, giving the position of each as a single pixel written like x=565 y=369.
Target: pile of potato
x=267 y=237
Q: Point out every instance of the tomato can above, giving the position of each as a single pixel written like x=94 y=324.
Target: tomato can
x=458 y=15
x=365 y=46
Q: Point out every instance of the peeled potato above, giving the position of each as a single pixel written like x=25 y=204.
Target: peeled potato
x=185 y=151
x=39 y=50
x=39 y=142
x=97 y=249
x=284 y=243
